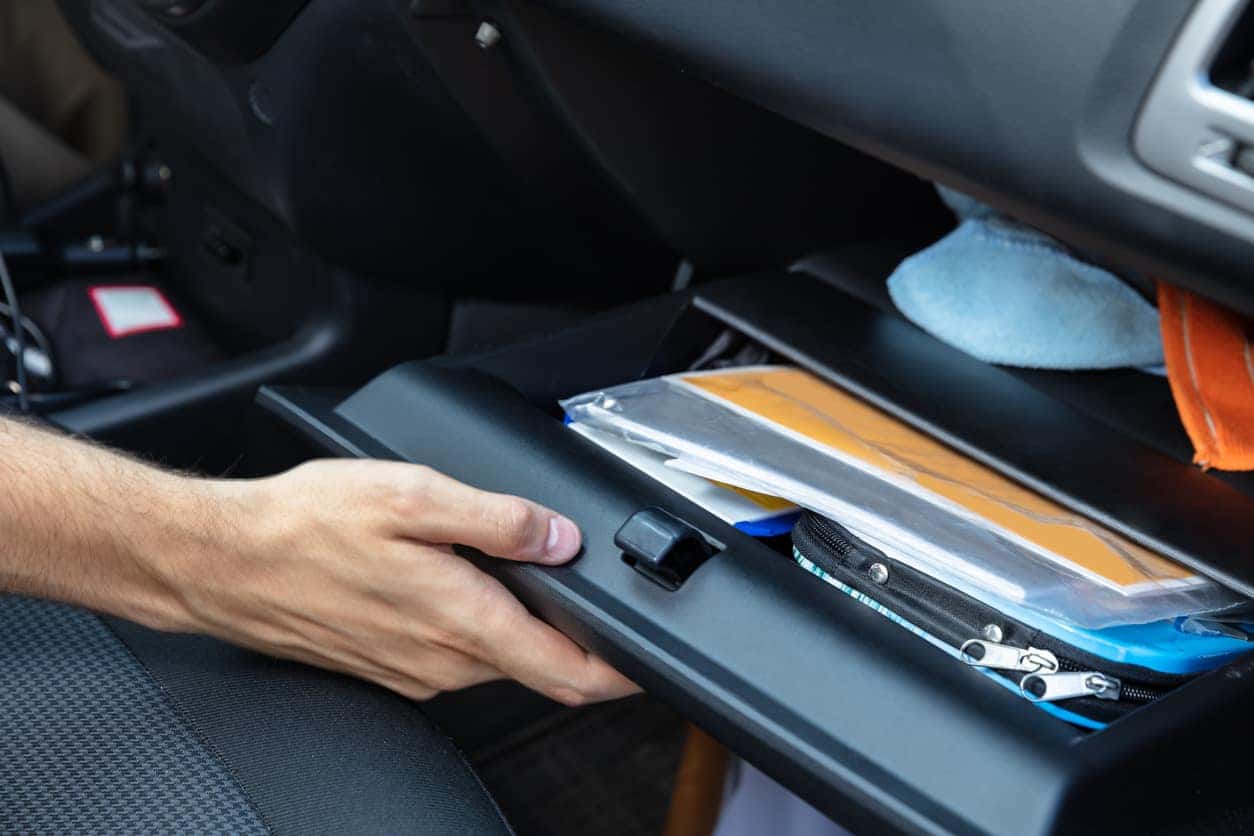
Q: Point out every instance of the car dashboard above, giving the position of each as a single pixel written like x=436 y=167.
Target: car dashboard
x=782 y=154
x=1093 y=121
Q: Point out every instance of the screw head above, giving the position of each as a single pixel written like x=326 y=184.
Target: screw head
x=878 y=573
x=487 y=35
x=993 y=633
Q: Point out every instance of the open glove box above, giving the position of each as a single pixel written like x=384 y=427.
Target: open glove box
x=873 y=727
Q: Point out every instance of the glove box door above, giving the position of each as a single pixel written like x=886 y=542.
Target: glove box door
x=861 y=718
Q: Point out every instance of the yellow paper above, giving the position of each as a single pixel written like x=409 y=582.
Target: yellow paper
x=824 y=414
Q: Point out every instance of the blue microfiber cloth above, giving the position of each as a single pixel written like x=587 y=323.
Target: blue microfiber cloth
x=1008 y=294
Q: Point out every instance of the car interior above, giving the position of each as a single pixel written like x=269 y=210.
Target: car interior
x=407 y=229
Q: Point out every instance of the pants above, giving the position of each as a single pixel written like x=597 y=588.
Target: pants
x=59 y=113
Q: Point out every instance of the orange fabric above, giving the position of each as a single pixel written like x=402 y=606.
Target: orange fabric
x=1210 y=364
x=697 y=797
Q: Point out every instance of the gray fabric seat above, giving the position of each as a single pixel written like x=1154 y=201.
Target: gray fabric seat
x=107 y=727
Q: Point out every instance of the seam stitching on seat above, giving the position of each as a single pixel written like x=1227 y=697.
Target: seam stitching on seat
x=190 y=722
x=500 y=814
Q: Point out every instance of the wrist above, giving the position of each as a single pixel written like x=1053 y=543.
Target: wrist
x=189 y=556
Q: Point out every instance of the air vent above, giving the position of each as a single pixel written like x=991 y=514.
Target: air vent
x=1233 y=67
x=1197 y=124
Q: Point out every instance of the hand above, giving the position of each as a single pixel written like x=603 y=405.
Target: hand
x=349 y=566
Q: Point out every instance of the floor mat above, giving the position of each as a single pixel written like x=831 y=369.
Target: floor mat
x=605 y=769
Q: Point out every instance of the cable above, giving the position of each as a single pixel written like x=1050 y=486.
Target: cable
x=19 y=334
x=37 y=334
x=42 y=402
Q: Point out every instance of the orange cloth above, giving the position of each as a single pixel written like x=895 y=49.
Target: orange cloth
x=697 y=797
x=1211 y=369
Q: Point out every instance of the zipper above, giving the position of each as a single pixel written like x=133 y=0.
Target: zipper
x=1141 y=693
x=1006 y=657
x=1065 y=686
x=1049 y=674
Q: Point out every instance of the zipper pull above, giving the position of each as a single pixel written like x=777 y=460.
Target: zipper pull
x=1004 y=657
x=1064 y=686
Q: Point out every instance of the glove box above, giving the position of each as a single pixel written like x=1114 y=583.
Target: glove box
x=875 y=728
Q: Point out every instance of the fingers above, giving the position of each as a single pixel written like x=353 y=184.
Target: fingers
x=401 y=599
x=437 y=673
x=499 y=630
x=563 y=671
x=526 y=649
x=437 y=509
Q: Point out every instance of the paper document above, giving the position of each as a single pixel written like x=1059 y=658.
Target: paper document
x=818 y=413
x=754 y=513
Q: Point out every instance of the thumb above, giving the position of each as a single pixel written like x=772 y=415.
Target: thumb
x=497 y=524
x=516 y=529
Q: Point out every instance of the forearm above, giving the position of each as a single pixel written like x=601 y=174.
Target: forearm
x=83 y=525
x=345 y=565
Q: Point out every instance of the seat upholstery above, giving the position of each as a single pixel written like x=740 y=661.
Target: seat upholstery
x=106 y=726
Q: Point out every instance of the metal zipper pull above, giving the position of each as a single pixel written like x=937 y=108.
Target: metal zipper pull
x=1004 y=657
x=1064 y=686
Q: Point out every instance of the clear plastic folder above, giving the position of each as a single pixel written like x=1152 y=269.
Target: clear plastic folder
x=784 y=432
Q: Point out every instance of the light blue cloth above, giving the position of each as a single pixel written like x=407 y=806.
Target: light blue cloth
x=1008 y=294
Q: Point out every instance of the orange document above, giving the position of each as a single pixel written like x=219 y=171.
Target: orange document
x=822 y=415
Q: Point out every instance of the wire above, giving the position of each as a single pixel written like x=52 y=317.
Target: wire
x=32 y=328
x=15 y=313
x=42 y=402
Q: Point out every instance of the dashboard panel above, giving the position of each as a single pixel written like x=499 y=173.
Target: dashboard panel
x=1030 y=106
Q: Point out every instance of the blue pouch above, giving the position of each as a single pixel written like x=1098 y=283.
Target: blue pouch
x=1086 y=677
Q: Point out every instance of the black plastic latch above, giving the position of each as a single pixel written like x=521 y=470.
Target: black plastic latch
x=662 y=547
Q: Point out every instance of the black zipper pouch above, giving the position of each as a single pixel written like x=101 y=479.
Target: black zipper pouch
x=1083 y=687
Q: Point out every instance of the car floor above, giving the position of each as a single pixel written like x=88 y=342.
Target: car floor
x=605 y=769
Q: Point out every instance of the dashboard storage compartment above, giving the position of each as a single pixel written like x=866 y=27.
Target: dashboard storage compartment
x=877 y=729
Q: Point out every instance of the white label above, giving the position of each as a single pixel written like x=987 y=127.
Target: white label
x=133 y=309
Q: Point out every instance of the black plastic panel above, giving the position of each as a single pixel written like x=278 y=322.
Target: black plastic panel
x=344 y=131
x=751 y=681
x=1029 y=105
x=230 y=30
x=853 y=713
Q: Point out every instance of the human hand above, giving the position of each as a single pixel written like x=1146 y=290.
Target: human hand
x=348 y=565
